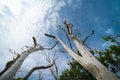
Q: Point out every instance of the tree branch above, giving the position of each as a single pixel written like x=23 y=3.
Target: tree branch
x=70 y=51
x=37 y=68
x=34 y=41
x=68 y=26
x=67 y=37
x=50 y=36
x=78 y=43
x=88 y=36
x=52 y=46
x=54 y=73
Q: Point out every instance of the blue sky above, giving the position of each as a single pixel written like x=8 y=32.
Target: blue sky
x=100 y=15
x=22 y=19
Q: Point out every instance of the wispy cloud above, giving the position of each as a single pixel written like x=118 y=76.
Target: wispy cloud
x=22 y=19
x=109 y=31
x=105 y=44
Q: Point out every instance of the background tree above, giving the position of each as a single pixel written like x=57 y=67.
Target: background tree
x=76 y=72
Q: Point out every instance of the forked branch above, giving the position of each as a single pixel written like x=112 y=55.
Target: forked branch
x=91 y=34
x=54 y=71
x=37 y=68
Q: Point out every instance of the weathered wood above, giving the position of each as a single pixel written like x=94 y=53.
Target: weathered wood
x=88 y=61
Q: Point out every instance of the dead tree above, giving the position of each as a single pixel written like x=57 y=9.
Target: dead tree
x=87 y=60
x=10 y=63
x=11 y=71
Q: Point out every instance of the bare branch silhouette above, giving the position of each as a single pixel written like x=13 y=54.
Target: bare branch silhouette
x=37 y=68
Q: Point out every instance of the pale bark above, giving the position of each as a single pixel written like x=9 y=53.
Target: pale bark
x=88 y=61
x=10 y=73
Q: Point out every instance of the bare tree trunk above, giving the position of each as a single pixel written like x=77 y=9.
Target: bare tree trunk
x=10 y=73
x=88 y=61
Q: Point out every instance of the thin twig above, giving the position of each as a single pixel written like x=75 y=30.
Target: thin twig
x=68 y=26
x=12 y=51
x=88 y=36
x=37 y=68
x=54 y=73
x=50 y=36
x=67 y=36
x=52 y=46
x=34 y=41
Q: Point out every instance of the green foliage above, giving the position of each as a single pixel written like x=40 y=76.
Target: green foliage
x=109 y=57
x=113 y=39
x=76 y=72
x=17 y=78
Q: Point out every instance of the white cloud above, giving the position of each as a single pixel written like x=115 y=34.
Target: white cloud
x=14 y=6
x=77 y=5
x=22 y=19
x=106 y=45
x=109 y=31
x=69 y=2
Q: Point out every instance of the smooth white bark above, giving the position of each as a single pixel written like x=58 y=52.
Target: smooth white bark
x=89 y=62
x=10 y=73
